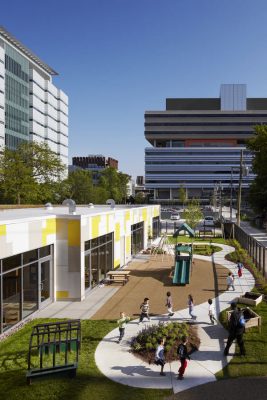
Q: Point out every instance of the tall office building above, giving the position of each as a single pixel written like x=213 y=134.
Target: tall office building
x=31 y=107
x=196 y=143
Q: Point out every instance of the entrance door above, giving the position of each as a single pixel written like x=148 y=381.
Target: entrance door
x=44 y=282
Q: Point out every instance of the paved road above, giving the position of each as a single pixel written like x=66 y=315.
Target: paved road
x=227 y=389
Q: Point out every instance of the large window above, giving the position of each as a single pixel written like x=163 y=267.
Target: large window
x=98 y=259
x=137 y=237
x=25 y=282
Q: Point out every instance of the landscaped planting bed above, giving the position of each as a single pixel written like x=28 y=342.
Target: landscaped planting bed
x=145 y=343
x=251 y=298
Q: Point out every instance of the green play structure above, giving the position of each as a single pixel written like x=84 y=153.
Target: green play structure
x=183 y=258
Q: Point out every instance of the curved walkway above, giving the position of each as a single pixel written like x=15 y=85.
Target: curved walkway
x=117 y=363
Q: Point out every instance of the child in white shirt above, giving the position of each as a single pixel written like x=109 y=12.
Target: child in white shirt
x=211 y=312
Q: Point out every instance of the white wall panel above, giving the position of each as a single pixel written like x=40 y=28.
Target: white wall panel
x=62 y=107
x=51 y=111
x=51 y=88
x=61 y=95
x=37 y=90
x=37 y=78
x=36 y=128
x=62 y=128
x=37 y=103
x=63 y=140
x=37 y=116
x=51 y=123
x=51 y=134
x=63 y=118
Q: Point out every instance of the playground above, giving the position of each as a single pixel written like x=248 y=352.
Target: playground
x=153 y=279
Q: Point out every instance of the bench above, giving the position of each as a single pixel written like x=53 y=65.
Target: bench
x=119 y=276
x=117 y=279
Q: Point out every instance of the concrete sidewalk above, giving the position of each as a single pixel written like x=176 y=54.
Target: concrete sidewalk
x=117 y=363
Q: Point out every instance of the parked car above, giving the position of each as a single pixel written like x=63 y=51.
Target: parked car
x=209 y=221
x=175 y=217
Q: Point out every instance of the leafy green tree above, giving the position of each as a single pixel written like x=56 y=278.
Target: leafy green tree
x=123 y=188
x=16 y=181
x=80 y=186
x=140 y=198
x=258 y=189
x=30 y=174
x=193 y=213
x=109 y=181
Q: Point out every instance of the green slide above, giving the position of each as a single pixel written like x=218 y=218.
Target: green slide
x=181 y=272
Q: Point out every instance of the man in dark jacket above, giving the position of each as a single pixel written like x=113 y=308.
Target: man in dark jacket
x=236 y=331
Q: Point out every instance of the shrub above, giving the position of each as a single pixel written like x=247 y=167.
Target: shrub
x=145 y=343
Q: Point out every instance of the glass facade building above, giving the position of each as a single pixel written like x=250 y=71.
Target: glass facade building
x=16 y=98
x=31 y=107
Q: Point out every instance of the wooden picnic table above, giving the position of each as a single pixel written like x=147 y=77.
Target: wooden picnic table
x=121 y=276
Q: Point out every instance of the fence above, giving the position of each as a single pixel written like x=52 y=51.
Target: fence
x=255 y=249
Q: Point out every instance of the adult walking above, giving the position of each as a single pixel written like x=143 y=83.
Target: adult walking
x=236 y=330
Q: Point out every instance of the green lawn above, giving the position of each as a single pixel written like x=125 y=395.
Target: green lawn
x=186 y=239
x=255 y=362
x=89 y=383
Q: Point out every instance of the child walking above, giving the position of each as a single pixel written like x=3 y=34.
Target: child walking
x=122 y=324
x=211 y=312
x=144 y=310
x=183 y=357
x=239 y=268
x=159 y=356
x=191 y=307
x=169 y=304
x=230 y=281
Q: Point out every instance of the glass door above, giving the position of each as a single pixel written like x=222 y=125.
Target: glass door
x=44 y=282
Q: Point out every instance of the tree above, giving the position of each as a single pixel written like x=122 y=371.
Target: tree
x=258 y=189
x=193 y=213
x=30 y=174
x=182 y=195
x=16 y=181
x=139 y=198
x=123 y=186
x=80 y=186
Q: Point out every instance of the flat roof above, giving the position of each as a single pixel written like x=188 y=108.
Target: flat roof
x=28 y=53
x=20 y=214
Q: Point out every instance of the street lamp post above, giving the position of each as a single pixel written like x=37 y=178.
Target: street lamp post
x=231 y=196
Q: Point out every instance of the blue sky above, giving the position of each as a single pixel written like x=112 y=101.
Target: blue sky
x=118 y=58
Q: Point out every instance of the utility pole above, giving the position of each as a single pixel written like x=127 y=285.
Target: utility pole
x=231 y=196
x=239 y=188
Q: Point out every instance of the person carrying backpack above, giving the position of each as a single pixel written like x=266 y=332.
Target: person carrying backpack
x=236 y=327
x=183 y=357
x=159 y=356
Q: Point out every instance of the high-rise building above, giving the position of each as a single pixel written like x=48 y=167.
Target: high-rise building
x=196 y=143
x=31 y=107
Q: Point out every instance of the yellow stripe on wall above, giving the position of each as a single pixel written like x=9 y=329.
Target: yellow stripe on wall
x=156 y=212
x=126 y=219
x=116 y=263
x=144 y=214
x=95 y=226
x=128 y=245
x=2 y=230
x=50 y=229
x=62 y=294
x=74 y=233
x=117 y=232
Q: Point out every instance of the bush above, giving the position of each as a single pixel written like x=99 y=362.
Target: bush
x=146 y=342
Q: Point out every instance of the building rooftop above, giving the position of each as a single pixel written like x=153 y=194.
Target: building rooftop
x=28 y=53
x=15 y=214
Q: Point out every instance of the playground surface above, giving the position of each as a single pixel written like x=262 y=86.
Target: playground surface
x=117 y=363
x=152 y=279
